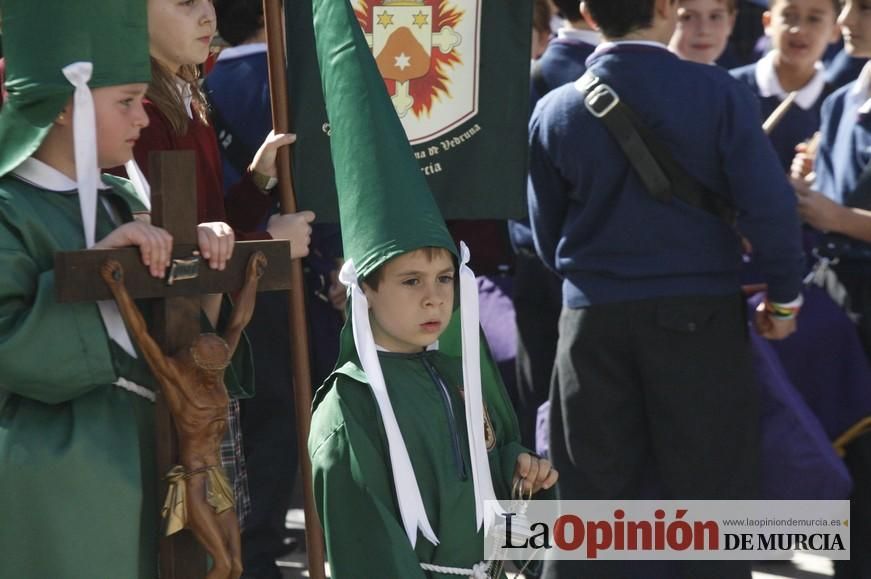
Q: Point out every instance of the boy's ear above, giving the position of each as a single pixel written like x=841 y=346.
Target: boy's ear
x=766 y=22
x=588 y=18
x=733 y=16
x=65 y=116
x=836 y=33
x=664 y=8
x=367 y=291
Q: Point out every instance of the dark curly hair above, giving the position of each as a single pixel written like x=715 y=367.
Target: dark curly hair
x=617 y=18
x=238 y=20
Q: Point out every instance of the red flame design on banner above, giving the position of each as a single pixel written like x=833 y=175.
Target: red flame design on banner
x=427 y=88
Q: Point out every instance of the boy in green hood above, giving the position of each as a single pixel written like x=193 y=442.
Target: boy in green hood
x=413 y=432
x=76 y=401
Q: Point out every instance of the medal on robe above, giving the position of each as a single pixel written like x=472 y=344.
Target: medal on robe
x=489 y=433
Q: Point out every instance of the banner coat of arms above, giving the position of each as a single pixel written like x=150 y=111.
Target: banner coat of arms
x=457 y=73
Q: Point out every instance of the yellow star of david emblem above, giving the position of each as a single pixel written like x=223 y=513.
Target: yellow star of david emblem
x=421 y=19
x=385 y=19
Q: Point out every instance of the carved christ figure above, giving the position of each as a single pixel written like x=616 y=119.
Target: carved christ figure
x=192 y=381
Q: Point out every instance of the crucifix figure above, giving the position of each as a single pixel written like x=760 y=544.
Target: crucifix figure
x=192 y=381
x=188 y=365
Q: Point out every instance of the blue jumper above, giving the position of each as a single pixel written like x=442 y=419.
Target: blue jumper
x=563 y=61
x=596 y=225
x=845 y=146
x=798 y=125
x=246 y=112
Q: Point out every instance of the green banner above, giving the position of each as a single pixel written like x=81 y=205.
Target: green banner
x=457 y=73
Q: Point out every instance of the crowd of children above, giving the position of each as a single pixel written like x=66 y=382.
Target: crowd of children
x=577 y=206
x=626 y=306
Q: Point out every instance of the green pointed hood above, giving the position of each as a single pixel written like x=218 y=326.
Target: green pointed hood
x=386 y=209
x=385 y=205
x=61 y=49
x=40 y=38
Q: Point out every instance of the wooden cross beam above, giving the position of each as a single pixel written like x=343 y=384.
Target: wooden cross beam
x=177 y=315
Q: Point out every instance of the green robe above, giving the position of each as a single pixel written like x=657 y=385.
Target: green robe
x=77 y=477
x=76 y=453
x=353 y=481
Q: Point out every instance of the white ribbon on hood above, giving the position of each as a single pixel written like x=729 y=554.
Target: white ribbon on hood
x=87 y=178
x=470 y=328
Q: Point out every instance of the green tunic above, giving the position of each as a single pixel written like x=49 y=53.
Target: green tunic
x=76 y=453
x=353 y=482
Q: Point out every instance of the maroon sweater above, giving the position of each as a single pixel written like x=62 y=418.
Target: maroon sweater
x=244 y=207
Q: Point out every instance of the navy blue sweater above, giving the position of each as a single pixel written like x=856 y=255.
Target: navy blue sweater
x=246 y=111
x=563 y=61
x=796 y=126
x=845 y=146
x=596 y=224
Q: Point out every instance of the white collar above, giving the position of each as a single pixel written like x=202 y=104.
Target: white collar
x=860 y=95
x=769 y=85
x=242 y=50
x=604 y=46
x=587 y=36
x=430 y=348
x=184 y=89
x=44 y=176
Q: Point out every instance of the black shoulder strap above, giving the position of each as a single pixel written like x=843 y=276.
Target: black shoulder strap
x=659 y=172
x=231 y=147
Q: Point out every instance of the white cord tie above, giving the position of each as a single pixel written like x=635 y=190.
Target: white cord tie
x=135 y=388
x=478 y=571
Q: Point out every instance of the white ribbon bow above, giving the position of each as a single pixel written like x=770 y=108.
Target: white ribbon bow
x=87 y=178
x=411 y=507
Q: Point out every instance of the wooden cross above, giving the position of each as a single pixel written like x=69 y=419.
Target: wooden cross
x=177 y=315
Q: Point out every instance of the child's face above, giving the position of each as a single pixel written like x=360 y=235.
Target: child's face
x=414 y=301
x=703 y=28
x=120 y=117
x=855 y=21
x=180 y=31
x=800 y=30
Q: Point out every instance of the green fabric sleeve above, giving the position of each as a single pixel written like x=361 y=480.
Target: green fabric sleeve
x=49 y=352
x=354 y=496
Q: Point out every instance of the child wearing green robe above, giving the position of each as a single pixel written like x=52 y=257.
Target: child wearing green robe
x=77 y=480
x=412 y=436
x=411 y=305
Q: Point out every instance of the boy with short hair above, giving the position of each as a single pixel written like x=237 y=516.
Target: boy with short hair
x=800 y=32
x=76 y=403
x=653 y=356
x=563 y=60
x=703 y=29
x=401 y=405
x=537 y=295
x=413 y=432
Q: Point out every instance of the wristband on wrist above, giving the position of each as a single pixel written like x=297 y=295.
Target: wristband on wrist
x=782 y=311
x=263 y=182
